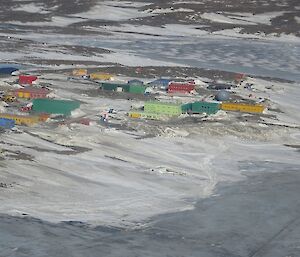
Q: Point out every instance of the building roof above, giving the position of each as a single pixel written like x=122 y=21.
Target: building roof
x=33 y=90
x=163 y=103
x=135 y=81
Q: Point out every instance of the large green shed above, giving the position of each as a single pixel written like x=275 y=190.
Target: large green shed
x=114 y=86
x=186 y=107
x=53 y=106
x=136 y=89
x=205 y=107
x=131 y=88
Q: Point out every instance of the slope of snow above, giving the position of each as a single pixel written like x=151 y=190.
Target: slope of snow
x=106 y=11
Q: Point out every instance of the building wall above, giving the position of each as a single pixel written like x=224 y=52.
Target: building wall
x=163 y=108
x=135 y=115
x=114 y=86
x=53 y=106
x=136 y=82
x=26 y=79
x=136 y=89
x=30 y=93
x=21 y=120
x=178 y=87
x=7 y=123
x=205 y=107
x=80 y=72
x=100 y=76
x=242 y=107
x=153 y=116
x=186 y=107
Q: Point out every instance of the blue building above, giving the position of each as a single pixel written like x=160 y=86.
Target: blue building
x=7 y=70
x=6 y=123
x=160 y=83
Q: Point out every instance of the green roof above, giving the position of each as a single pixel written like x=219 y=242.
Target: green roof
x=53 y=106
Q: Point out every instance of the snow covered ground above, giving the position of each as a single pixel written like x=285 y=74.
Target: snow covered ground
x=103 y=176
x=141 y=174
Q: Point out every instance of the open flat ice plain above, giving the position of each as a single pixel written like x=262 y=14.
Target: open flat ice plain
x=227 y=186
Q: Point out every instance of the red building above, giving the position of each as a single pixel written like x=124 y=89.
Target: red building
x=31 y=92
x=26 y=79
x=180 y=87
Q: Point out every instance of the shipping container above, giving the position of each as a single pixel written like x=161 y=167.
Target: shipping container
x=7 y=123
x=44 y=117
x=53 y=106
x=240 y=107
x=169 y=109
x=205 y=107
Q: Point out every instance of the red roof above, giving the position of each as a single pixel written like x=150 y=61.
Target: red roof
x=181 y=87
x=27 y=79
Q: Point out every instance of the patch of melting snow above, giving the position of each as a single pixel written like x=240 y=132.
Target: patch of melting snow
x=168 y=10
x=56 y=21
x=242 y=18
x=219 y=18
x=31 y=8
x=260 y=18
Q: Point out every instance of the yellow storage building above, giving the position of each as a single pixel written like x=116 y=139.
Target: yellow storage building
x=240 y=107
x=27 y=120
x=80 y=72
x=100 y=76
x=135 y=115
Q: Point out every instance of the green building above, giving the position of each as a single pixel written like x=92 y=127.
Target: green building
x=115 y=87
x=205 y=107
x=186 y=108
x=137 y=89
x=118 y=87
x=53 y=106
x=169 y=109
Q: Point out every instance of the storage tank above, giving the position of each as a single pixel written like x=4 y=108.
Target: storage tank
x=222 y=95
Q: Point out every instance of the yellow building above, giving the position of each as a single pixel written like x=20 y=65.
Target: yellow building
x=21 y=119
x=148 y=116
x=135 y=115
x=100 y=76
x=253 y=108
x=80 y=72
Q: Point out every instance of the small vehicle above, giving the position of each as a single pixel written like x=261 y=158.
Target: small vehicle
x=9 y=98
x=26 y=108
